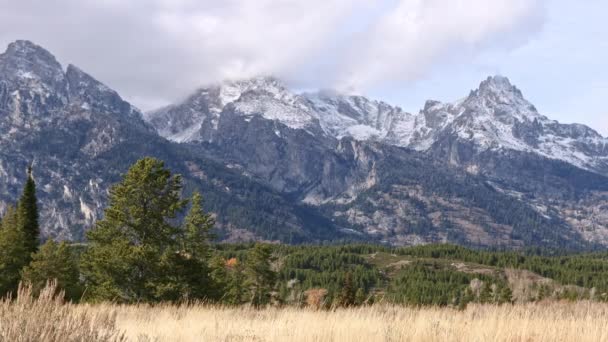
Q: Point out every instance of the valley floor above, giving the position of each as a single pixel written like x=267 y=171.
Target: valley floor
x=581 y=321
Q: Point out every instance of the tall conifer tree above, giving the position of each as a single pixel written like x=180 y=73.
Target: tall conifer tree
x=187 y=275
x=28 y=214
x=133 y=251
x=13 y=254
x=260 y=275
x=197 y=230
x=348 y=291
x=54 y=262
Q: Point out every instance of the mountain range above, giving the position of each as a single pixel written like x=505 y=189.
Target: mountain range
x=488 y=170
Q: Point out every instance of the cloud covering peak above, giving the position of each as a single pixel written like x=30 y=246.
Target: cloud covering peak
x=156 y=50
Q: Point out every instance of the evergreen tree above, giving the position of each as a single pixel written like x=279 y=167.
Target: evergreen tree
x=197 y=230
x=219 y=277
x=28 y=214
x=188 y=272
x=133 y=247
x=260 y=276
x=235 y=289
x=54 y=261
x=13 y=252
x=348 y=293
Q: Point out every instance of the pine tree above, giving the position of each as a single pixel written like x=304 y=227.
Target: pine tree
x=260 y=276
x=197 y=230
x=133 y=247
x=348 y=293
x=54 y=261
x=219 y=277
x=228 y=280
x=187 y=272
x=235 y=289
x=13 y=252
x=28 y=214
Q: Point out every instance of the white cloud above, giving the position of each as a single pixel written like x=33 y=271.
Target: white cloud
x=153 y=51
x=416 y=34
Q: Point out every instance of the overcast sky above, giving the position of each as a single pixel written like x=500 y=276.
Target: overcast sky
x=401 y=51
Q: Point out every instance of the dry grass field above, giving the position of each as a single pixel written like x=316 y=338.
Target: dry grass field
x=48 y=319
x=540 y=322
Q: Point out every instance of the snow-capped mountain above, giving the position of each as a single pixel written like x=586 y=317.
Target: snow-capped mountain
x=497 y=117
x=493 y=117
x=494 y=133
x=336 y=115
x=277 y=165
x=359 y=117
x=81 y=136
x=264 y=96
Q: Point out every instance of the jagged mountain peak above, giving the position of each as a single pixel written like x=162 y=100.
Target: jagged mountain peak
x=499 y=86
x=496 y=99
x=26 y=63
x=264 y=95
x=232 y=90
x=35 y=90
x=496 y=82
x=494 y=116
x=498 y=91
x=26 y=50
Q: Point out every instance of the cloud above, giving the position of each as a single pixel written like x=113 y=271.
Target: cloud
x=416 y=34
x=153 y=51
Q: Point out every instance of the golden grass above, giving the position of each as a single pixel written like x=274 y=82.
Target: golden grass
x=49 y=319
x=583 y=321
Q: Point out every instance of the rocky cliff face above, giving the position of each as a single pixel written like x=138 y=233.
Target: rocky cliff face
x=81 y=136
x=494 y=136
x=488 y=170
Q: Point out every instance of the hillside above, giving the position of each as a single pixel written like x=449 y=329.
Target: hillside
x=444 y=275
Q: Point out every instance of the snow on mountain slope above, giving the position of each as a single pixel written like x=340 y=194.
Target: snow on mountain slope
x=337 y=115
x=495 y=116
x=356 y=116
x=269 y=98
x=264 y=96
